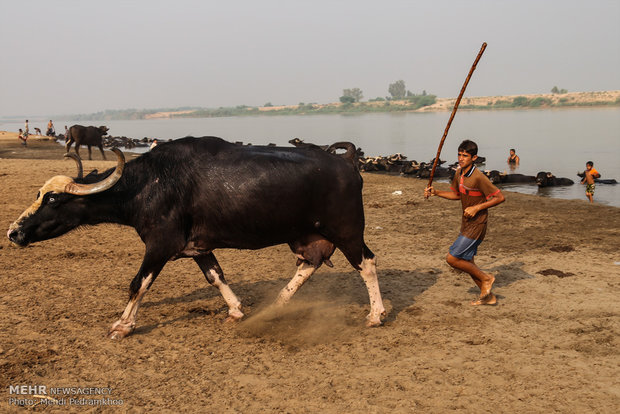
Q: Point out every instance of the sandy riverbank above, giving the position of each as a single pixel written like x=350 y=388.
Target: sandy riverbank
x=551 y=345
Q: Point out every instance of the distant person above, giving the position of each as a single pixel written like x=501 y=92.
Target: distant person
x=22 y=138
x=513 y=159
x=153 y=144
x=50 y=129
x=66 y=133
x=589 y=175
x=477 y=194
x=26 y=130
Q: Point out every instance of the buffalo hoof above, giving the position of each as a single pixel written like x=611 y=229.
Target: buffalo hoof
x=374 y=320
x=119 y=331
x=234 y=315
x=231 y=320
x=373 y=323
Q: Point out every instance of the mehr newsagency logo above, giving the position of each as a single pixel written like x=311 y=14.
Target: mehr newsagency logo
x=31 y=395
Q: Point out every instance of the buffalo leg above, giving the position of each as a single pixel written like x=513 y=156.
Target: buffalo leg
x=90 y=152
x=77 y=149
x=365 y=262
x=214 y=275
x=139 y=286
x=304 y=271
x=101 y=149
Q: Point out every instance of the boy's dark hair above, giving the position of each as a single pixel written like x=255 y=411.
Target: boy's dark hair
x=590 y=163
x=512 y=149
x=469 y=147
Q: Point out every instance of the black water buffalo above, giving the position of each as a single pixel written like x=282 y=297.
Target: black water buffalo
x=301 y=144
x=188 y=197
x=546 y=179
x=89 y=136
x=600 y=180
x=497 y=177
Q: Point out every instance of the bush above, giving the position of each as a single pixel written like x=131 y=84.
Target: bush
x=536 y=102
x=520 y=101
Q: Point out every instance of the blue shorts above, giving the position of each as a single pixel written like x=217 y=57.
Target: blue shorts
x=464 y=247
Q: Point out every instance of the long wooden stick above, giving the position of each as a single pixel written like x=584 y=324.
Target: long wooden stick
x=456 y=106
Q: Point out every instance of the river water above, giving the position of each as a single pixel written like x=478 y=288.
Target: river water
x=555 y=140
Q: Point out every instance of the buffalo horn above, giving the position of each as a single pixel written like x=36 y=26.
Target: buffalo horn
x=78 y=162
x=86 y=189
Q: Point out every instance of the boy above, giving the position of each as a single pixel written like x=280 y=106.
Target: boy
x=477 y=194
x=23 y=138
x=589 y=175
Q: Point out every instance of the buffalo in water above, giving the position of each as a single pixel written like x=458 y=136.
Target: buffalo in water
x=546 y=179
x=497 y=177
x=600 y=180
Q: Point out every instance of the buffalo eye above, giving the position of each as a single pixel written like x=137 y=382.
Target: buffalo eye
x=50 y=198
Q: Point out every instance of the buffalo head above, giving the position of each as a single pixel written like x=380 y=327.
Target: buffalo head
x=60 y=205
x=544 y=179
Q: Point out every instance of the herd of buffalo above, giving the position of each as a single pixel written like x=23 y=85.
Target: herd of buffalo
x=399 y=164
x=395 y=164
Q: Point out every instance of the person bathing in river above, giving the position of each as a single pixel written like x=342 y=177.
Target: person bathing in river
x=513 y=159
x=477 y=195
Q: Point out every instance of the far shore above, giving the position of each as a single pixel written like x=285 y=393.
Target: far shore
x=477 y=103
x=572 y=99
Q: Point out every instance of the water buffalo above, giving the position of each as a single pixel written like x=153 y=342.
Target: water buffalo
x=89 y=136
x=188 y=197
x=600 y=180
x=546 y=179
x=497 y=177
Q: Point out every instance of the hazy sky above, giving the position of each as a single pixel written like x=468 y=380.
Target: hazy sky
x=67 y=57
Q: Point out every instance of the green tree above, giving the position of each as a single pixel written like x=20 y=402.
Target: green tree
x=355 y=93
x=397 y=89
x=346 y=99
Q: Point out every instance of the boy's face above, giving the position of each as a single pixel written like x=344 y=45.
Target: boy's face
x=588 y=167
x=466 y=159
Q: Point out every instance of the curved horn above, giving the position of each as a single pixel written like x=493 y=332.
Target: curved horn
x=86 y=189
x=78 y=161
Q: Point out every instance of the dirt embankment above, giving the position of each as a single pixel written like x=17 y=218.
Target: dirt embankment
x=568 y=99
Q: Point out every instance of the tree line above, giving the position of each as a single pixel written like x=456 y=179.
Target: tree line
x=397 y=91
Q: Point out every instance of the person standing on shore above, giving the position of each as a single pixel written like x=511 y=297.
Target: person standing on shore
x=26 y=130
x=477 y=195
x=50 y=129
x=589 y=175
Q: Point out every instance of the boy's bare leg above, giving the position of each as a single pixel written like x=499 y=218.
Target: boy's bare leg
x=483 y=280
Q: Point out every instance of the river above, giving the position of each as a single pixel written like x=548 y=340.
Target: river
x=555 y=140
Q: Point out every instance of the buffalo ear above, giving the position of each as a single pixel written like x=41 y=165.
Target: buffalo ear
x=91 y=177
